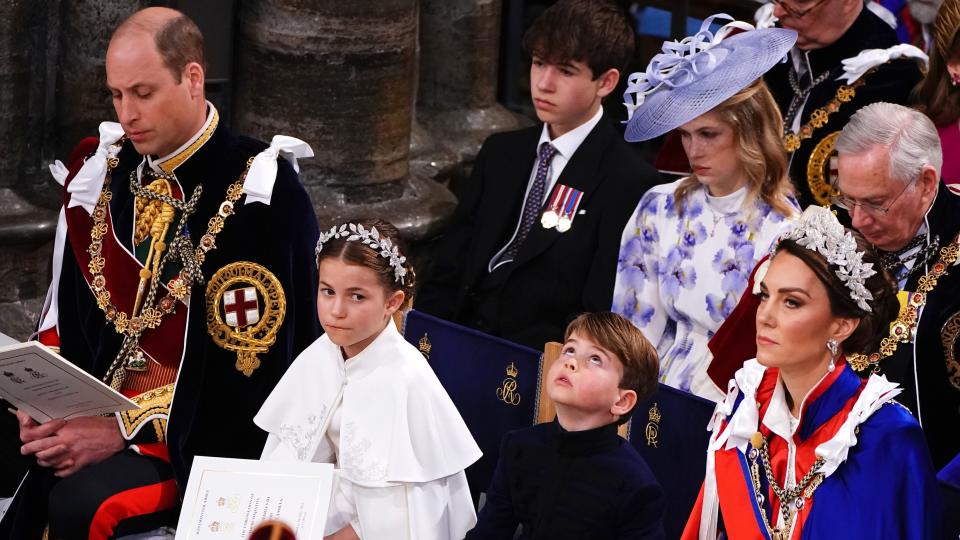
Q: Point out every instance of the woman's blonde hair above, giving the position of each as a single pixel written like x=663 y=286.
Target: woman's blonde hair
x=758 y=130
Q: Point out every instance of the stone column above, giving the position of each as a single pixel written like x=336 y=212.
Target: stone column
x=82 y=97
x=339 y=75
x=25 y=228
x=428 y=157
x=458 y=73
x=14 y=88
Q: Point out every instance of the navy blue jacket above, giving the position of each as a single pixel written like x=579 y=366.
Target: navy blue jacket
x=563 y=485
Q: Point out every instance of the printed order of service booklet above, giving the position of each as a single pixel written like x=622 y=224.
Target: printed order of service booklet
x=227 y=498
x=45 y=385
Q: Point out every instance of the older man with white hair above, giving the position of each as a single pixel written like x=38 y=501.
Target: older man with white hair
x=845 y=58
x=889 y=183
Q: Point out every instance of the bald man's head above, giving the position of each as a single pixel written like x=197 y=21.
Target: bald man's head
x=176 y=36
x=155 y=77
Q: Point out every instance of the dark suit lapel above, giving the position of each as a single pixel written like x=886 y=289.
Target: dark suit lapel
x=582 y=173
x=507 y=175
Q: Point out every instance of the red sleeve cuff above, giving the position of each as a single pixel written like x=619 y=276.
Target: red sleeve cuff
x=49 y=337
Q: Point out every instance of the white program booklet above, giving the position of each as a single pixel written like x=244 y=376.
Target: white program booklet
x=227 y=498
x=45 y=385
x=6 y=340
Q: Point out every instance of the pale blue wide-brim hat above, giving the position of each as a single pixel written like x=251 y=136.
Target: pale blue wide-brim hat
x=692 y=76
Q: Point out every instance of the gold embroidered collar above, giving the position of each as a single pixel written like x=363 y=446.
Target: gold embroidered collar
x=169 y=163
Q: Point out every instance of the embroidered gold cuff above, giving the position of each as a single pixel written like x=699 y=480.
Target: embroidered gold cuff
x=154 y=409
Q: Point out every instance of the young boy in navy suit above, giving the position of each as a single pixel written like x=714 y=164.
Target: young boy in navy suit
x=575 y=477
x=536 y=235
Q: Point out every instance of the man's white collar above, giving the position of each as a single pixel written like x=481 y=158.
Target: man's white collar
x=568 y=143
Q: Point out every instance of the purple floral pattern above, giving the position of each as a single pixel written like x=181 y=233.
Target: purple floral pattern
x=680 y=274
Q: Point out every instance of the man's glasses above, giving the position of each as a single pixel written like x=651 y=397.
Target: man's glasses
x=848 y=204
x=797 y=12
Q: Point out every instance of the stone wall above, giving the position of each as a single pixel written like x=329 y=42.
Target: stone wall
x=26 y=234
x=27 y=193
x=342 y=76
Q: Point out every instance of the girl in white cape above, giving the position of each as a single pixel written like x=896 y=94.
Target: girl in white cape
x=363 y=398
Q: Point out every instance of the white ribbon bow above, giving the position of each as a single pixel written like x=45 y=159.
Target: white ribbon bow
x=764 y=17
x=263 y=171
x=746 y=420
x=59 y=171
x=86 y=185
x=681 y=62
x=854 y=68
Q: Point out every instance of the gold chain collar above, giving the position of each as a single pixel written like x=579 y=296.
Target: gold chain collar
x=903 y=330
x=791 y=500
x=132 y=325
x=820 y=117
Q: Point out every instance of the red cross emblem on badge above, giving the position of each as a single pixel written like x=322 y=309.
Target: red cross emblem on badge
x=240 y=306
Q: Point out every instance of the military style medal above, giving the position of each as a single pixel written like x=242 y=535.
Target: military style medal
x=571 y=202
x=549 y=218
x=563 y=205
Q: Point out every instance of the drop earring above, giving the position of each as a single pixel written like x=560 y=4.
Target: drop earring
x=834 y=349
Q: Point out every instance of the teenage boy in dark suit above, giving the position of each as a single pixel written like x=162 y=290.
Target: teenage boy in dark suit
x=536 y=235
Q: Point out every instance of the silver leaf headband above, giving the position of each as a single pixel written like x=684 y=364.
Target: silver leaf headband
x=370 y=238
x=818 y=230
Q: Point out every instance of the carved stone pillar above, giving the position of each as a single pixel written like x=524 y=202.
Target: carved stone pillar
x=82 y=97
x=14 y=89
x=25 y=228
x=340 y=75
x=458 y=73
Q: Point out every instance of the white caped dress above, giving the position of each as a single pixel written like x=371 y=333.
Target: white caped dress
x=398 y=442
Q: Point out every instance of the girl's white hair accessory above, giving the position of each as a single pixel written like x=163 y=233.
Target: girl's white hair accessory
x=370 y=238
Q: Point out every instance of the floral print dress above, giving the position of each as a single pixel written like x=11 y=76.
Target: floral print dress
x=682 y=271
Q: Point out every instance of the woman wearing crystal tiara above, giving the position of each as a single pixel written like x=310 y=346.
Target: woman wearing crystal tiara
x=687 y=251
x=802 y=448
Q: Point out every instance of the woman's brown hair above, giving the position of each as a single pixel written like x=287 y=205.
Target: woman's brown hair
x=935 y=95
x=875 y=324
x=758 y=129
x=360 y=254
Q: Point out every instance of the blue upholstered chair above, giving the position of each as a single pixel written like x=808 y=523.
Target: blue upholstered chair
x=493 y=383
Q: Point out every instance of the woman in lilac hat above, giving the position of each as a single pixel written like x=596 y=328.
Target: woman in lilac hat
x=688 y=249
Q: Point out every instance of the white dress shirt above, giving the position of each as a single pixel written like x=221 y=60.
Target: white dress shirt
x=566 y=146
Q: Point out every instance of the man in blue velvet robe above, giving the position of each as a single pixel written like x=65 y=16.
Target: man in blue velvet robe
x=184 y=277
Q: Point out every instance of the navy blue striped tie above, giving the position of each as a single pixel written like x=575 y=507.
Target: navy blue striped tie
x=531 y=207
